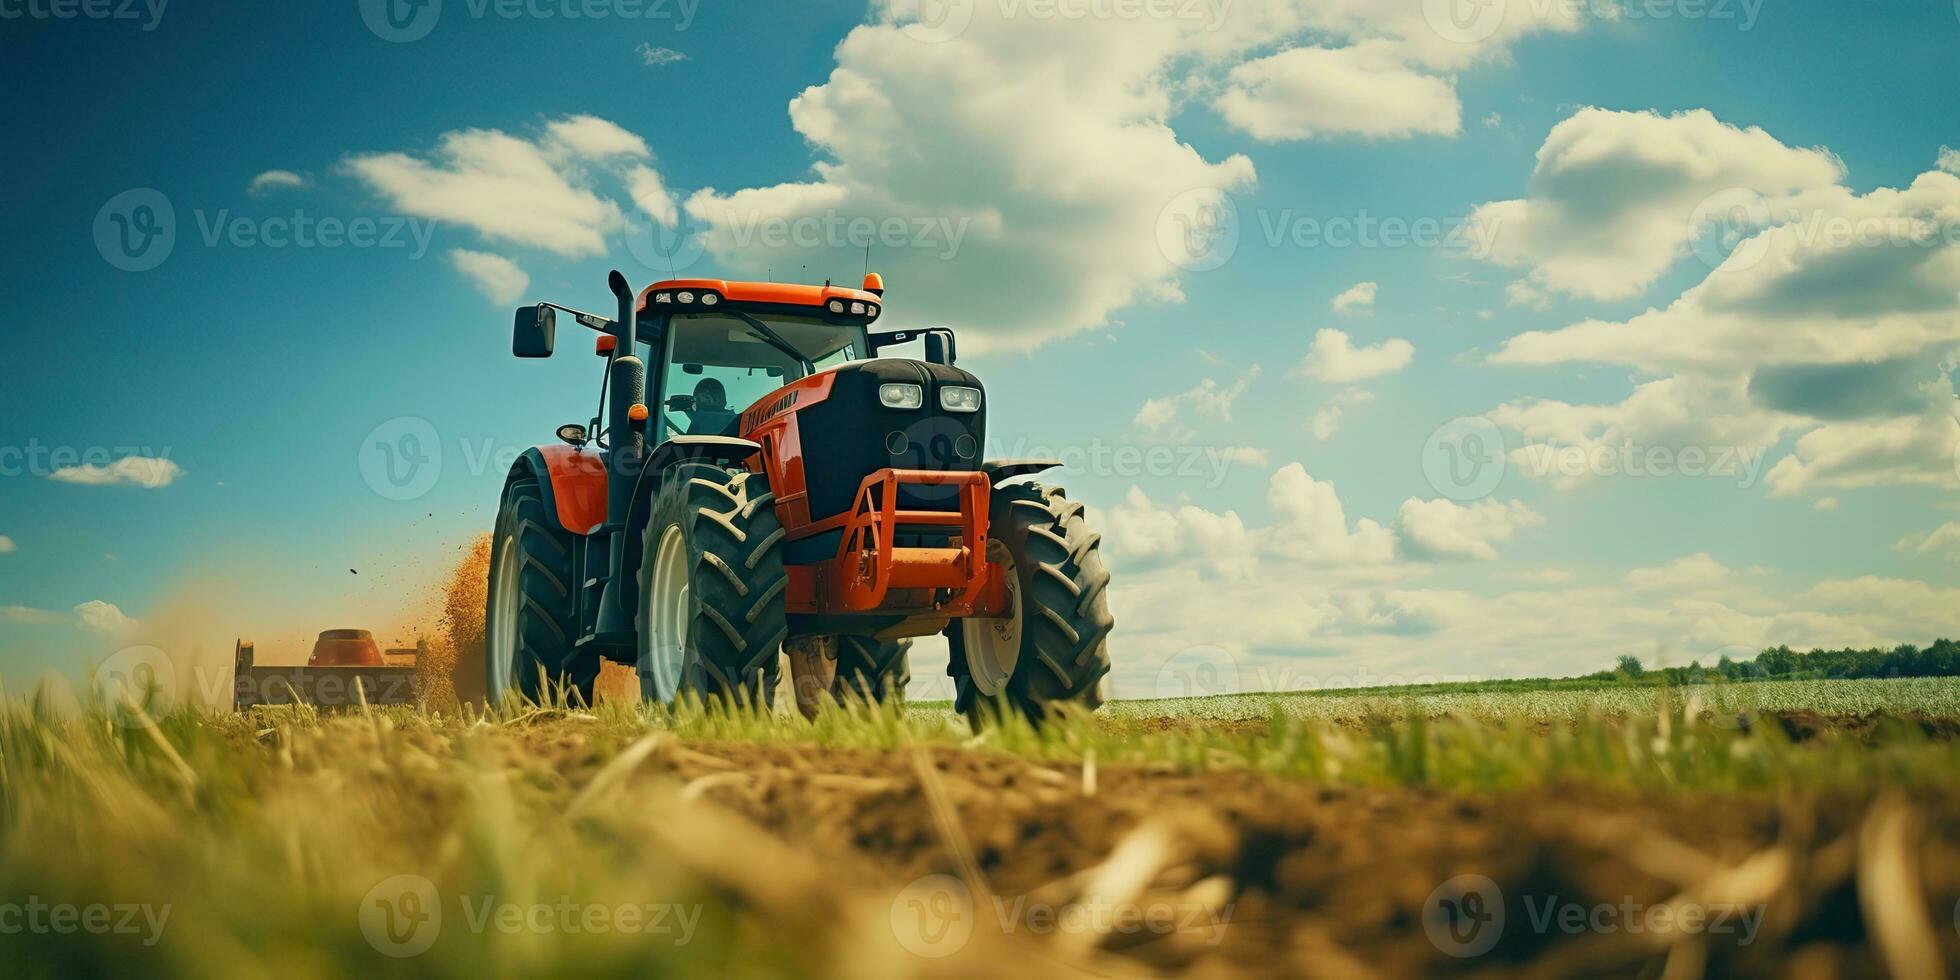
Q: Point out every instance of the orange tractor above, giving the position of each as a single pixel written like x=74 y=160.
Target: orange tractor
x=774 y=485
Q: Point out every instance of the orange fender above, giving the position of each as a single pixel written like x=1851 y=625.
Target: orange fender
x=574 y=484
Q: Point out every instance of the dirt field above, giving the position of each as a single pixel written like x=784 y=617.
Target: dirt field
x=1269 y=876
x=873 y=845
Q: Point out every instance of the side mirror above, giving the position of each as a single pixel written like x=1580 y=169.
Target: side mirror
x=939 y=347
x=535 y=332
x=572 y=435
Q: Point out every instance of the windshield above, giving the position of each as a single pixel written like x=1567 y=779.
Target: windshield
x=720 y=363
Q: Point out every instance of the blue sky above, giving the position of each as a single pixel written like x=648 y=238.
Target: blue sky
x=1305 y=543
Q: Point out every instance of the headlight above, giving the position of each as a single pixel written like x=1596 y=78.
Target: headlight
x=709 y=299
x=901 y=396
x=686 y=297
x=957 y=399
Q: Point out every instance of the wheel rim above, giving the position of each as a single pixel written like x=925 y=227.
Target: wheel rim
x=993 y=646
x=668 y=614
x=500 y=639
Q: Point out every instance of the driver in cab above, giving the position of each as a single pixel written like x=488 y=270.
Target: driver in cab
x=709 y=415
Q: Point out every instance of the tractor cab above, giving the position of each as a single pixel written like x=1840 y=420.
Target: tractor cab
x=719 y=347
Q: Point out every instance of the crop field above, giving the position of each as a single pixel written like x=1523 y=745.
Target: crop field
x=1777 y=829
x=1933 y=697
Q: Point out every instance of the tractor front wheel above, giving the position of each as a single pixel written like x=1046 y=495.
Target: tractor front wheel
x=711 y=581
x=531 y=617
x=1053 y=646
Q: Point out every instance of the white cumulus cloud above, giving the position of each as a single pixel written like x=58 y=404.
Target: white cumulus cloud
x=135 y=471
x=1334 y=358
x=1208 y=400
x=275 y=180
x=531 y=192
x=1356 y=299
x=1681 y=573
x=1365 y=90
x=1614 y=198
x=495 y=276
x=105 y=618
x=1445 y=529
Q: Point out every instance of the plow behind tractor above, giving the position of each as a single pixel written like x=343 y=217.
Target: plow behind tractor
x=345 y=668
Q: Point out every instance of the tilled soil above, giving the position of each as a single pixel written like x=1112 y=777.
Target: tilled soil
x=1250 y=875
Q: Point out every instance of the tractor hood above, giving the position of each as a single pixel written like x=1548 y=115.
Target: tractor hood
x=846 y=432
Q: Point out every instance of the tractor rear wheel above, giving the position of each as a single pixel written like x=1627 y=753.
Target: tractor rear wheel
x=867 y=668
x=1053 y=647
x=531 y=617
x=711 y=579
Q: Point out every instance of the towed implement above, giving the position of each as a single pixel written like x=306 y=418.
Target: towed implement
x=776 y=483
x=345 y=668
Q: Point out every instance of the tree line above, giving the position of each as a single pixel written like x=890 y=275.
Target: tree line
x=1942 y=659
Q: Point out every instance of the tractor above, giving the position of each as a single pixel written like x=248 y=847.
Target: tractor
x=775 y=485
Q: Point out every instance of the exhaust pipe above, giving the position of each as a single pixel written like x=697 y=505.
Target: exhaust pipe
x=628 y=380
